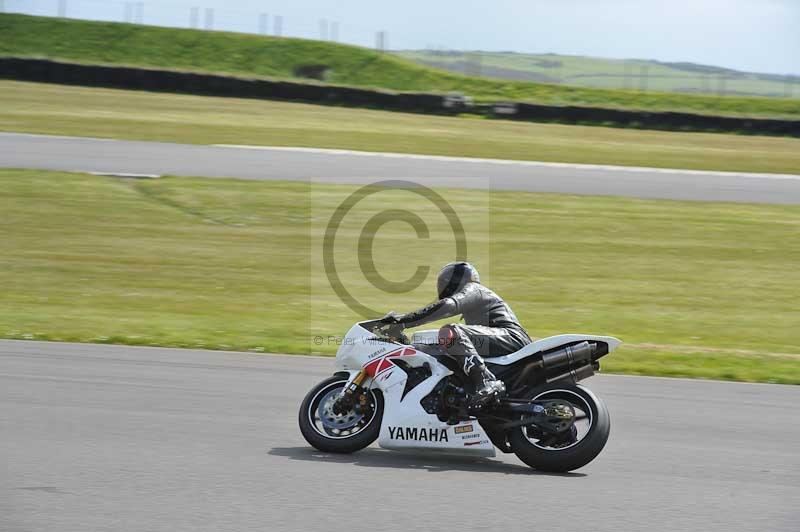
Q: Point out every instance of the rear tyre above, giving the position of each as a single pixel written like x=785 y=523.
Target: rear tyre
x=572 y=449
x=339 y=433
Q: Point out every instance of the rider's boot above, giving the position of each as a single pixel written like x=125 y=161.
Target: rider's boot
x=488 y=388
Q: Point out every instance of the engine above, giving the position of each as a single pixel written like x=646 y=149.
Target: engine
x=445 y=400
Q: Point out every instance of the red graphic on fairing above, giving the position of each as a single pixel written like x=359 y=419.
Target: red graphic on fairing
x=379 y=365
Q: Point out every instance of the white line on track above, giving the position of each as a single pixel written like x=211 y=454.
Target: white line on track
x=325 y=151
x=64 y=137
x=445 y=158
x=125 y=174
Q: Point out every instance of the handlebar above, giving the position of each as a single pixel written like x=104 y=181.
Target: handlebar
x=389 y=331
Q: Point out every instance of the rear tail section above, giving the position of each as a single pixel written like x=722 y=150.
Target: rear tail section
x=569 y=363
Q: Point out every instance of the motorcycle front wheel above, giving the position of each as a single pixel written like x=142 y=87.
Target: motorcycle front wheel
x=346 y=432
x=576 y=446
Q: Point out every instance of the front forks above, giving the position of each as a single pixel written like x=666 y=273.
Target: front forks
x=346 y=401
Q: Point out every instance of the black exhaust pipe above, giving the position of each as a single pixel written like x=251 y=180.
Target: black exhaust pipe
x=572 y=356
x=559 y=364
x=575 y=375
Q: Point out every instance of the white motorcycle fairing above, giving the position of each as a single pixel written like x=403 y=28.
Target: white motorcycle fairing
x=406 y=425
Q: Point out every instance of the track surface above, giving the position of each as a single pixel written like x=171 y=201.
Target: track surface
x=100 y=155
x=119 y=438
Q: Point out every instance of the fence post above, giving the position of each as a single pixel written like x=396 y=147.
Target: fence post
x=381 y=41
x=323 y=29
x=263 y=22
x=209 y=22
x=140 y=12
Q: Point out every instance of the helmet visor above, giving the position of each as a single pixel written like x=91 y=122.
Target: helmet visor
x=451 y=279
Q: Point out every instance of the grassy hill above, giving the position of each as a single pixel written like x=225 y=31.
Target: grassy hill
x=598 y=72
x=253 y=55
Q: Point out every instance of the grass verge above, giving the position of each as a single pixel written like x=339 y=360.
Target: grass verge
x=62 y=110
x=695 y=289
x=224 y=52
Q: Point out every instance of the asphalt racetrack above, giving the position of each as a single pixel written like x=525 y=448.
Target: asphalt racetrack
x=96 y=437
x=102 y=155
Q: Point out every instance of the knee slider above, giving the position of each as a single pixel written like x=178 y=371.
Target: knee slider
x=448 y=335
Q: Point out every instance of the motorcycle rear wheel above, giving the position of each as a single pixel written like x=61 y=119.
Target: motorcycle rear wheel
x=338 y=433
x=578 y=446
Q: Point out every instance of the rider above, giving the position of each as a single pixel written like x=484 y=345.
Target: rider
x=491 y=329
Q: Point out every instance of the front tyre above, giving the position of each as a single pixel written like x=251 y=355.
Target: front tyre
x=339 y=433
x=575 y=447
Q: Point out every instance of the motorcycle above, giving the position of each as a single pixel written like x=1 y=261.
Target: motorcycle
x=410 y=395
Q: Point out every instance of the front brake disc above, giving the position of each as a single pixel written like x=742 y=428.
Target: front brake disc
x=331 y=420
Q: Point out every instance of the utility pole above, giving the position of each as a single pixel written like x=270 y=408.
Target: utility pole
x=721 y=85
x=335 y=31
x=323 y=29
x=209 y=22
x=627 y=76
x=643 y=75
x=62 y=8
x=263 y=23
x=381 y=41
x=194 y=17
x=277 y=22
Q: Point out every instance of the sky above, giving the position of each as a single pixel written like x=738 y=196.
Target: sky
x=751 y=35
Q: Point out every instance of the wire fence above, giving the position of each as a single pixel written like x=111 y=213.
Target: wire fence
x=631 y=75
x=188 y=14
x=193 y=14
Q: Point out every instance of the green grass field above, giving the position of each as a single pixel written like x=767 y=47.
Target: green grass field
x=252 y=55
x=62 y=110
x=636 y=74
x=694 y=289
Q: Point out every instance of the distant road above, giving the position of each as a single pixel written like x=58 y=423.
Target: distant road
x=96 y=437
x=341 y=166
